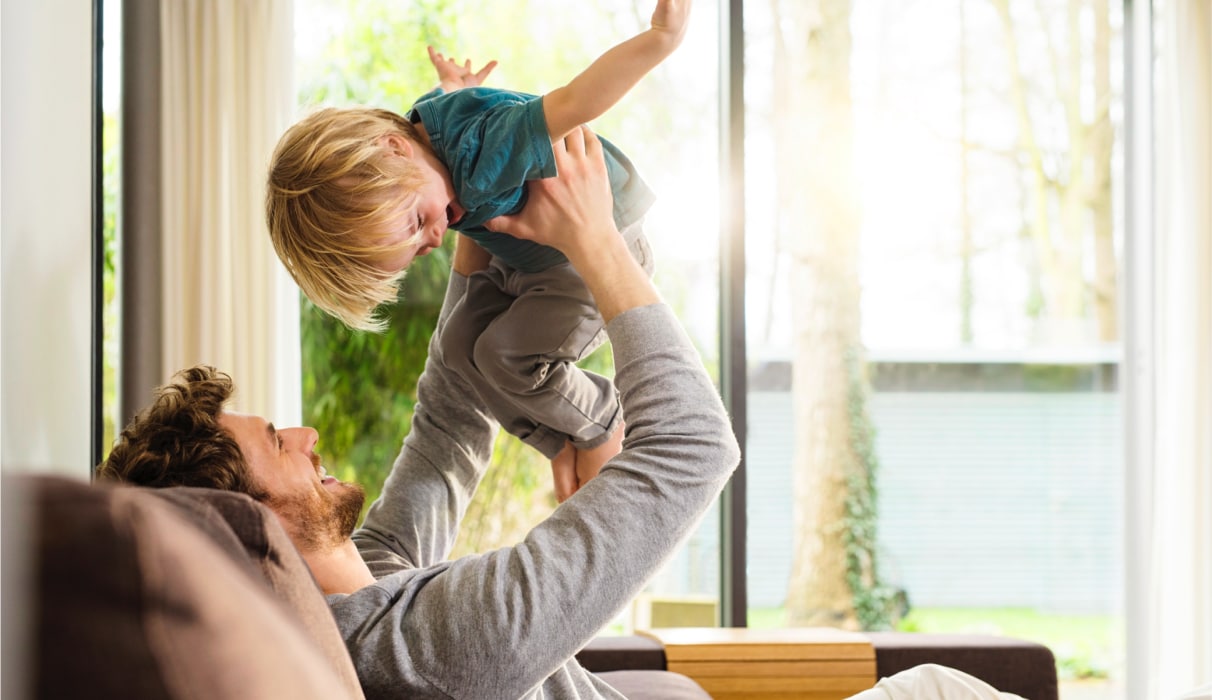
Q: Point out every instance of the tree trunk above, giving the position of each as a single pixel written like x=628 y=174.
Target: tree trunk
x=819 y=222
x=1079 y=187
x=966 y=287
x=1102 y=137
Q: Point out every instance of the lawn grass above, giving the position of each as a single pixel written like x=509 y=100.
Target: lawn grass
x=1085 y=646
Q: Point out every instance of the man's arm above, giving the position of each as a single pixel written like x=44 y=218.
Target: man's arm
x=600 y=86
x=416 y=519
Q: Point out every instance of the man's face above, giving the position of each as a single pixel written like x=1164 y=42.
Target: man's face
x=318 y=511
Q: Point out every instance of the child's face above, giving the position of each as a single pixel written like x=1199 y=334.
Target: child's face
x=436 y=209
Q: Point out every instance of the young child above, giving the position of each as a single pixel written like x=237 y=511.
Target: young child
x=356 y=194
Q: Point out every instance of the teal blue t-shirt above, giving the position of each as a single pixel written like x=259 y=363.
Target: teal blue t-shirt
x=492 y=141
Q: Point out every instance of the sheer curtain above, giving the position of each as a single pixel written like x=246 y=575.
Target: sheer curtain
x=227 y=94
x=1172 y=526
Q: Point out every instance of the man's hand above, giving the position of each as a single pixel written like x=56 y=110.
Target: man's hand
x=452 y=76
x=572 y=212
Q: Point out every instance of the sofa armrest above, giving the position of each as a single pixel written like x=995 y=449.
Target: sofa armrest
x=623 y=653
x=129 y=597
x=1010 y=665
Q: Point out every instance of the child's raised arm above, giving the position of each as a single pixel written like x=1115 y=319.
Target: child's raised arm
x=615 y=72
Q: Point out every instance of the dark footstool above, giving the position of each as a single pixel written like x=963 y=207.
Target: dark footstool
x=1010 y=665
x=630 y=653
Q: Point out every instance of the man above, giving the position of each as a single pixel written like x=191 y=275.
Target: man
x=503 y=624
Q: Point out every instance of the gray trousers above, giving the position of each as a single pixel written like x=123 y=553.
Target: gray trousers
x=516 y=336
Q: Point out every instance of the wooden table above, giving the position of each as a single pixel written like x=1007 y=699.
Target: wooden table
x=814 y=663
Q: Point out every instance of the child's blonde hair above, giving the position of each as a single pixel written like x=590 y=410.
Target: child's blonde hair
x=331 y=190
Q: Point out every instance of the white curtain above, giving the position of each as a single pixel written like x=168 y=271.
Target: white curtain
x=1178 y=527
x=227 y=96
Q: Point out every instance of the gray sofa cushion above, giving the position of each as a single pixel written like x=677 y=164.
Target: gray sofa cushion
x=238 y=523
x=130 y=598
x=654 y=685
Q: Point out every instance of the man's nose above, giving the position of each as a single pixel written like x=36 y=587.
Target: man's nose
x=302 y=438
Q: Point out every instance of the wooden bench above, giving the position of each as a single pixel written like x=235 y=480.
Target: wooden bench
x=770 y=664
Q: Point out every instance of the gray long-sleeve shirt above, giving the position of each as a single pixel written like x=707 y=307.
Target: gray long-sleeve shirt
x=506 y=624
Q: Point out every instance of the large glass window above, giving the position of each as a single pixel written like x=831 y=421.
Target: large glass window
x=933 y=241
x=358 y=388
x=934 y=234
x=933 y=247
x=111 y=102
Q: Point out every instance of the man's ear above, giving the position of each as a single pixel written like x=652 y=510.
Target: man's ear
x=398 y=144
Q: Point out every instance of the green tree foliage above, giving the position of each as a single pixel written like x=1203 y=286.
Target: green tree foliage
x=877 y=605
x=359 y=389
x=109 y=278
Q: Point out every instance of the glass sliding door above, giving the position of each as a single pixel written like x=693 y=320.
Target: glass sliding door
x=934 y=242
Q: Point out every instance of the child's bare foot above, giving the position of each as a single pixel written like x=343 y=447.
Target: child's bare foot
x=564 y=472
x=589 y=462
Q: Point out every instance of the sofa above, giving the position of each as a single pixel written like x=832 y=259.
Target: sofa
x=130 y=592
x=195 y=593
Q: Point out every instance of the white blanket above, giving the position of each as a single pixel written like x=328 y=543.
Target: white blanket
x=933 y=682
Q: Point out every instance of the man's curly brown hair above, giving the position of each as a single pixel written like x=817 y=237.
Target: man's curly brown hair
x=177 y=440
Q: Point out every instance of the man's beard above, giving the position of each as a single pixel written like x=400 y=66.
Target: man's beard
x=325 y=521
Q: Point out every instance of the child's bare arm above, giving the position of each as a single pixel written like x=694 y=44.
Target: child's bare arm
x=452 y=76
x=615 y=72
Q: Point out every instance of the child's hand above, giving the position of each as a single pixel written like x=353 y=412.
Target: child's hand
x=671 y=17
x=453 y=76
